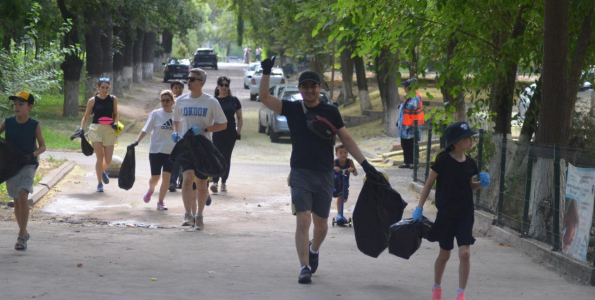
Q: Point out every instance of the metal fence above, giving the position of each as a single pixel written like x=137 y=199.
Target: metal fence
x=528 y=187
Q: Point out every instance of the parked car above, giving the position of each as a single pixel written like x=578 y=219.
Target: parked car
x=249 y=72
x=276 y=125
x=205 y=57
x=525 y=96
x=276 y=78
x=176 y=68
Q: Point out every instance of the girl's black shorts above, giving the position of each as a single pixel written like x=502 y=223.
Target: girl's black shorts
x=447 y=228
x=160 y=161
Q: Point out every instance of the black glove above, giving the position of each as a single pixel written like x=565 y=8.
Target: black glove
x=133 y=144
x=368 y=168
x=115 y=126
x=239 y=137
x=267 y=65
x=79 y=133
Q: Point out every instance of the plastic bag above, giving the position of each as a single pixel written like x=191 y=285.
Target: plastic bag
x=86 y=147
x=201 y=153
x=127 y=170
x=378 y=207
x=12 y=160
x=405 y=236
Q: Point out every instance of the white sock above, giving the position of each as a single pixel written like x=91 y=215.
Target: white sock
x=436 y=286
x=312 y=250
x=304 y=267
x=460 y=290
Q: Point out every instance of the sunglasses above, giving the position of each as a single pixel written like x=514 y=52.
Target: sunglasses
x=104 y=79
x=224 y=85
x=193 y=79
x=165 y=101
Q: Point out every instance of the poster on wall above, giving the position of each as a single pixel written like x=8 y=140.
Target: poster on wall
x=578 y=211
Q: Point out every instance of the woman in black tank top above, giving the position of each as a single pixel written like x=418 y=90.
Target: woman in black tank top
x=102 y=135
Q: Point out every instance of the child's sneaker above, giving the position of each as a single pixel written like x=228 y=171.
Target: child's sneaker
x=460 y=296
x=161 y=206
x=100 y=187
x=105 y=178
x=223 y=187
x=214 y=188
x=437 y=294
x=147 y=197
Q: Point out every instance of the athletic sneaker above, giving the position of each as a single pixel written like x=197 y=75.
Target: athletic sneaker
x=305 y=276
x=223 y=187
x=147 y=197
x=313 y=259
x=172 y=187
x=188 y=220
x=460 y=296
x=105 y=178
x=209 y=200
x=437 y=294
x=100 y=187
x=214 y=188
x=161 y=206
x=198 y=223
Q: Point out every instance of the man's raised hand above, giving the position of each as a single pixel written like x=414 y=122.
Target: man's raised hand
x=267 y=65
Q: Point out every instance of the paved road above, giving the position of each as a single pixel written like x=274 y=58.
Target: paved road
x=129 y=250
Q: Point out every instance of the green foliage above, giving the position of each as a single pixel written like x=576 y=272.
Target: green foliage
x=181 y=51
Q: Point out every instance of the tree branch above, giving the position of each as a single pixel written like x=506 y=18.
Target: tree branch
x=461 y=31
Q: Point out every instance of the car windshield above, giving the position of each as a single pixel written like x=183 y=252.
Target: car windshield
x=253 y=68
x=179 y=61
x=292 y=96
x=276 y=73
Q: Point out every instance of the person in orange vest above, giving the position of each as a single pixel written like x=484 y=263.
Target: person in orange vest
x=410 y=109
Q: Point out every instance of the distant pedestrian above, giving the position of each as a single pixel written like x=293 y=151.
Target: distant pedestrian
x=177 y=88
x=453 y=171
x=24 y=133
x=410 y=110
x=225 y=140
x=247 y=54
x=202 y=114
x=102 y=131
x=258 y=53
x=311 y=176
x=160 y=126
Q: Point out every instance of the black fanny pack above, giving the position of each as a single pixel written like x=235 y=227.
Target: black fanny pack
x=320 y=126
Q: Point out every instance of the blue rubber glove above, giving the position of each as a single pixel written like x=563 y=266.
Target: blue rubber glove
x=417 y=214
x=197 y=130
x=175 y=137
x=484 y=179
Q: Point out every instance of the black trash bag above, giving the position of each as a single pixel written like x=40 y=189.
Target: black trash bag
x=86 y=147
x=405 y=236
x=378 y=207
x=127 y=170
x=13 y=160
x=201 y=153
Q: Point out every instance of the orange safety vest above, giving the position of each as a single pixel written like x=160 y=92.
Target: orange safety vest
x=411 y=115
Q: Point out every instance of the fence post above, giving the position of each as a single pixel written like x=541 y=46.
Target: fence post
x=556 y=198
x=528 y=181
x=415 y=150
x=428 y=153
x=479 y=161
x=502 y=178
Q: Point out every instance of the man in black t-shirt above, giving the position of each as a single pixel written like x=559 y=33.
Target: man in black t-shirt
x=311 y=177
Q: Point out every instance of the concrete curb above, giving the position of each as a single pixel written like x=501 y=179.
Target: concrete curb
x=485 y=224
x=47 y=183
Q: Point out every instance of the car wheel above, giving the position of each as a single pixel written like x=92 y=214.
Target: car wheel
x=165 y=79
x=261 y=129
x=215 y=67
x=252 y=97
x=274 y=136
x=246 y=87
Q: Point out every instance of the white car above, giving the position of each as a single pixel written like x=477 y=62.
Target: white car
x=249 y=72
x=525 y=96
x=277 y=77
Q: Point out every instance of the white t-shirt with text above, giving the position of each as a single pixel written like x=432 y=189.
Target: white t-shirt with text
x=203 y=111
x=160 y=125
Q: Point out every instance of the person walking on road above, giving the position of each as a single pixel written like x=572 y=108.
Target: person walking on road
x=177 y=88
x=311 y=175
x=102 y=134
x=225 y=140
x=258 y=53
x=202 y=114
x=454 y=172
x=24 y=133
x=160 y=126
x=247 y=53
x=410 y=109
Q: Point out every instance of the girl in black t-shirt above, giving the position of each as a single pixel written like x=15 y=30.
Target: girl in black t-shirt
x=454 y=172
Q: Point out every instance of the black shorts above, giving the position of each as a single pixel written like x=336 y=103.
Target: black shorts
x=447 y=228
x=158 y=162
x=187 y=165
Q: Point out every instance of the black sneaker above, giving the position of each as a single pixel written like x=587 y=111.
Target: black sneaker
x=405 y=166
x=172 y=187
x=305 y=276
x=313 y=259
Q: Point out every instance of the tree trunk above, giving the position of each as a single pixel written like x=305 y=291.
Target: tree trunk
x=578 y=60
x=148 y=54
x=128 y=61
x=107 y=45
x=542 y=200
x=387 y=64
x=71 y=66
x=346 y=97
x=6 y=42
x=118 y=64
x=317 y=66
x=450 y=82
x=413 y=64
x=555 y=104
x=167 y=39
x=137 y=56
x=362 y=84
x=228 y=49
x=94 y=53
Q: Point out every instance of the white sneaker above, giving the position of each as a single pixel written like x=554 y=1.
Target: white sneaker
x=214 y=188
x=223 y=187
x=188 y=220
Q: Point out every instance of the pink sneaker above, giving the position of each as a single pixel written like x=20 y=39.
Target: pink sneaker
x=147 y=197
x=437 y=294
x=460 y=296
x=161 y=206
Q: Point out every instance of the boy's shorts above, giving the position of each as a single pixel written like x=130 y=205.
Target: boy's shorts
x=158 y=162
x=446 y=229
x=22 y=181
x=100 y=133
x=311 y=191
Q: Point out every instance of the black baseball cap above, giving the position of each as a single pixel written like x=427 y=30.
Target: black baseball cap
x=23 y=96
x=408 y=82
x=309 y=76
x=456 y=132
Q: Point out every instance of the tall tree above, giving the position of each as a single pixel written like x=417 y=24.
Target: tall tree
x=73 y=63
x=148 y=54
x=362 y=83
x=137 y=56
